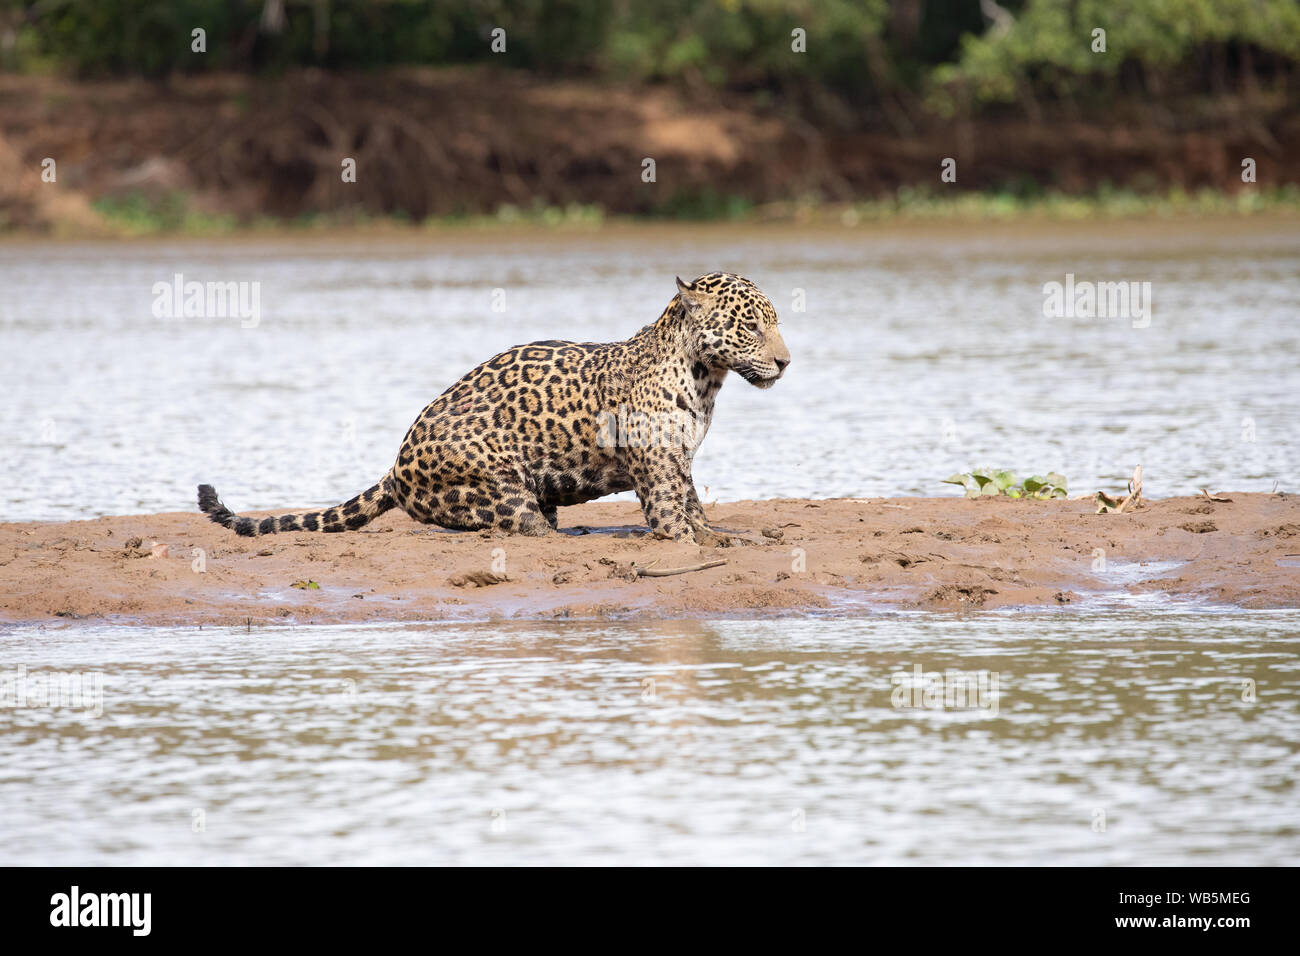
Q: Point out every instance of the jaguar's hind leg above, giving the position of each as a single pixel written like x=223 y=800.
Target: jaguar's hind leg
x=528 y=518
x=469 y=487
x=502 y=507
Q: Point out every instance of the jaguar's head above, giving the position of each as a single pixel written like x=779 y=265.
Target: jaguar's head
x=734 y=327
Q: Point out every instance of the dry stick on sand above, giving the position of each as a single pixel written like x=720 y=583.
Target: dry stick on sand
x=665 y=572
x=1108 y=505
x=1134 y=490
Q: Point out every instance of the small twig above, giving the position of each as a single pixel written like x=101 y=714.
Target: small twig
x=665 y=572
x=1134 y=490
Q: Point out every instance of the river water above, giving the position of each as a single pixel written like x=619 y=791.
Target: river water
x=918 y=352
x=1138 y=737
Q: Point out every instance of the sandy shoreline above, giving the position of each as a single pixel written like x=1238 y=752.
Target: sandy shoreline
x=824 y=556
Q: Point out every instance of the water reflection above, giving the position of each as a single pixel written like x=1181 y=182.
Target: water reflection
x=1123 y=738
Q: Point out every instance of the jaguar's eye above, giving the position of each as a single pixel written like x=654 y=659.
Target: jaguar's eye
x=752 y=326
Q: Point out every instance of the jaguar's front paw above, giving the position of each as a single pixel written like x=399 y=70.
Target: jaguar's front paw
x=706 y=537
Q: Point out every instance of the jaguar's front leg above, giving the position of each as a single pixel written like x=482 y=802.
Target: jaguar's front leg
x=695 y=510
x=705 y=534
x=661 y=484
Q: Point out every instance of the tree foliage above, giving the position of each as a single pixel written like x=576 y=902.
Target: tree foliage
x=1051 y=47
x=858 y=52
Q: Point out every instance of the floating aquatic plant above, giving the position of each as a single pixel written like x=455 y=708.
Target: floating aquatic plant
x=992 y=483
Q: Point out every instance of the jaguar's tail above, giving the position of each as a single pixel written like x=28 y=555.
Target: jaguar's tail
x=348 y=516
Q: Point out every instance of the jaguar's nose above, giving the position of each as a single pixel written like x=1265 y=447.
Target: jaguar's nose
x=780 y=365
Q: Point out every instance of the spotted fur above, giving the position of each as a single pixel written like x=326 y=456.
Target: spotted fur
x=527 y=431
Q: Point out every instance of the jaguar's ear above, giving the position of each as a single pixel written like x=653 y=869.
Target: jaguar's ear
x=690 y=298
